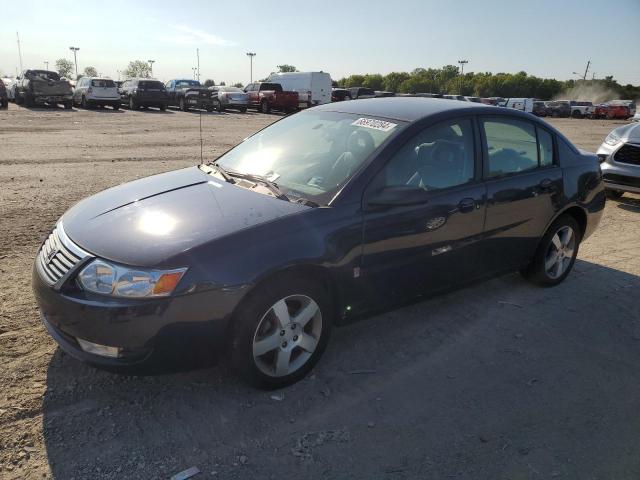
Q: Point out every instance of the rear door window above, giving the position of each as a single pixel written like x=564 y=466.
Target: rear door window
x=511 y=146
x=545 y=147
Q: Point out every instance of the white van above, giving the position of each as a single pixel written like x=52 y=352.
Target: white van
x=314 y=88
x=524 y=104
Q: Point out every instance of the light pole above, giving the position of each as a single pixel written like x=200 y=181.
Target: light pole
x=251 y=55
x=46 y=65
x=195 y=69
x=151 y=62
x=75 y=58
x=462 y=64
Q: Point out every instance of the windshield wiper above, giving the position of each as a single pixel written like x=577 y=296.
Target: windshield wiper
x=265 y=181
x=222 y=171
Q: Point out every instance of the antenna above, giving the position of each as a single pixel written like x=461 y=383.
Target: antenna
x=201 y=157
x=19 y=51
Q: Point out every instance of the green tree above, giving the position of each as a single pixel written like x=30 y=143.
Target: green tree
x=64 y=67
x=209 y=82
x=238 y=85
x=137 y=68
x=393 y=80
x=286 y=68
x=90 y=72
x=373 y=81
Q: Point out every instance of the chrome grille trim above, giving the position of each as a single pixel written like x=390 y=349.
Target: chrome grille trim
x=58 y=256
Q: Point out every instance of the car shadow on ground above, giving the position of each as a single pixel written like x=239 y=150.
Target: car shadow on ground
x=100 y=110
x=628 y=203
x=102 y=425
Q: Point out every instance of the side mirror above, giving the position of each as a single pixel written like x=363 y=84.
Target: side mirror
x=397 y=195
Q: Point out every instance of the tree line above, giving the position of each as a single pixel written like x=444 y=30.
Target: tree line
x=447 y=80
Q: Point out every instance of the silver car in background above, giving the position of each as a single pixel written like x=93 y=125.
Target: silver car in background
x=619 y=155
x=231 y=97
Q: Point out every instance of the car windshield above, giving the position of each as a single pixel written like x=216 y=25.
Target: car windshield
x=187 y=83
x=310 y=154
x=103 y=83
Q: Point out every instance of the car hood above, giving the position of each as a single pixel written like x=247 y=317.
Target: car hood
x=148 y=221
x=630 y=132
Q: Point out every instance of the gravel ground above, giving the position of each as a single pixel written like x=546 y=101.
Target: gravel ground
x=501 y=380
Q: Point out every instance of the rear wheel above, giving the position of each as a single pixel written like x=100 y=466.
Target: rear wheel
x=281 y=331
x=264 y=107
x=116 y=106
x=68 y=105
x=243 y=110
x=576 y=114
x=556 y=253
x=132 y=104
x=163 y=107
x=219 y=106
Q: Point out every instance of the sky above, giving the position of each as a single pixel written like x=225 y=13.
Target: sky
x=547 y=38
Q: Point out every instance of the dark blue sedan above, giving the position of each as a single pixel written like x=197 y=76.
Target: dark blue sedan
x=337 y=211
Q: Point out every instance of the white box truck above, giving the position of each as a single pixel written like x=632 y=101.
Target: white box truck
x=314 y=88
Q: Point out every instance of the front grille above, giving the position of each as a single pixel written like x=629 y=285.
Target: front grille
x=58 y=255
x=628 y=154
x=621 y=179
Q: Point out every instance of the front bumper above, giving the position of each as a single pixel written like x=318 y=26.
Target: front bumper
x=143 y=331
x=235 y=104
x=623 y=177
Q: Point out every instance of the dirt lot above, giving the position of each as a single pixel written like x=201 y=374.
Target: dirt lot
x=501 y=380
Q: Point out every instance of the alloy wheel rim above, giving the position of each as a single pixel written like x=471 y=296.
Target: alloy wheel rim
x=287 y=335
x=560 y=252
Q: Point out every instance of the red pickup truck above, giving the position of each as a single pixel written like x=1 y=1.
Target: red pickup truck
x=270 y=96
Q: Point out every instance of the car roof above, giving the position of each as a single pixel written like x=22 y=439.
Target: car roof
x=407 y=109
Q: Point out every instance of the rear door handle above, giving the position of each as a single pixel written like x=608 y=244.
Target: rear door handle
x=466 y=205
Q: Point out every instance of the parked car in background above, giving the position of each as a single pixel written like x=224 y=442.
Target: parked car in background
x=522 y=104
x=144 y=92
x=630 y=104
x=40 y=87
x=636 y=117
x=496 y=100
x=611 y=111
x=489 y=101
x=266 y=96
x=326 y=214
x=358 y=93
x=383 y=93
x=473 y=99
x=186 y=94
x=230 y=98
x=558 y=108
x=539 y=109
x=422 y=95
x=620 y=160
x=581 y=109
x=314 y=88
x=4 y=100
x=94 y=91
x=340 y=94
x=454 y=97
x=10 y=86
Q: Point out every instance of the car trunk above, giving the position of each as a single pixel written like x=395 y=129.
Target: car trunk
x=51 y=87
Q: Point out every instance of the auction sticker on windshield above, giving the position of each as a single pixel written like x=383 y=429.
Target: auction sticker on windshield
x=375 y=124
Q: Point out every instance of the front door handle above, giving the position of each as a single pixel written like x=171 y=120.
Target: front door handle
x=466 y=205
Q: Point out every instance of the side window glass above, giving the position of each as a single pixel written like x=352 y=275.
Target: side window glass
x=545 y=147
x=441 y=156
x=511 y=146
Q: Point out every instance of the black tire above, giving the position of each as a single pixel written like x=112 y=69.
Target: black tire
x=68 y=105
x=28 y=100
x=132 y=104
x=576 y=114
x=18 y=98
x=614 y=194
x=209 y=109
x=115 y=106
x=182 y=104
x=243 y=110
x=536 y=272
x=248 y=318
x=83 y=103
x=219 y=107
x=264 y=107
x=4 y=103
x=163 y=107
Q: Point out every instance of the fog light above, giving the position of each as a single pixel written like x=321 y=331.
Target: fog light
x=97 y=349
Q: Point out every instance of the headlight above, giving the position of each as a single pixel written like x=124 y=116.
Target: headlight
x=120 y=281
x=612 y=139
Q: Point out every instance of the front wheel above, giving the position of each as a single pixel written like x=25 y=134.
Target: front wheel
x=556 y=253
x=163 y=107
x=281 y=331
x=182 y=105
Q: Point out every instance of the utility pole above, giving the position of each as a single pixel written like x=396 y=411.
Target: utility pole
x=251 y=55
x=586 y=70
x=462 y=64
x=75 y=58
x=151 y=62
x=194 y=72
x=198 y=57
x=46 y=65
x=19 y=51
